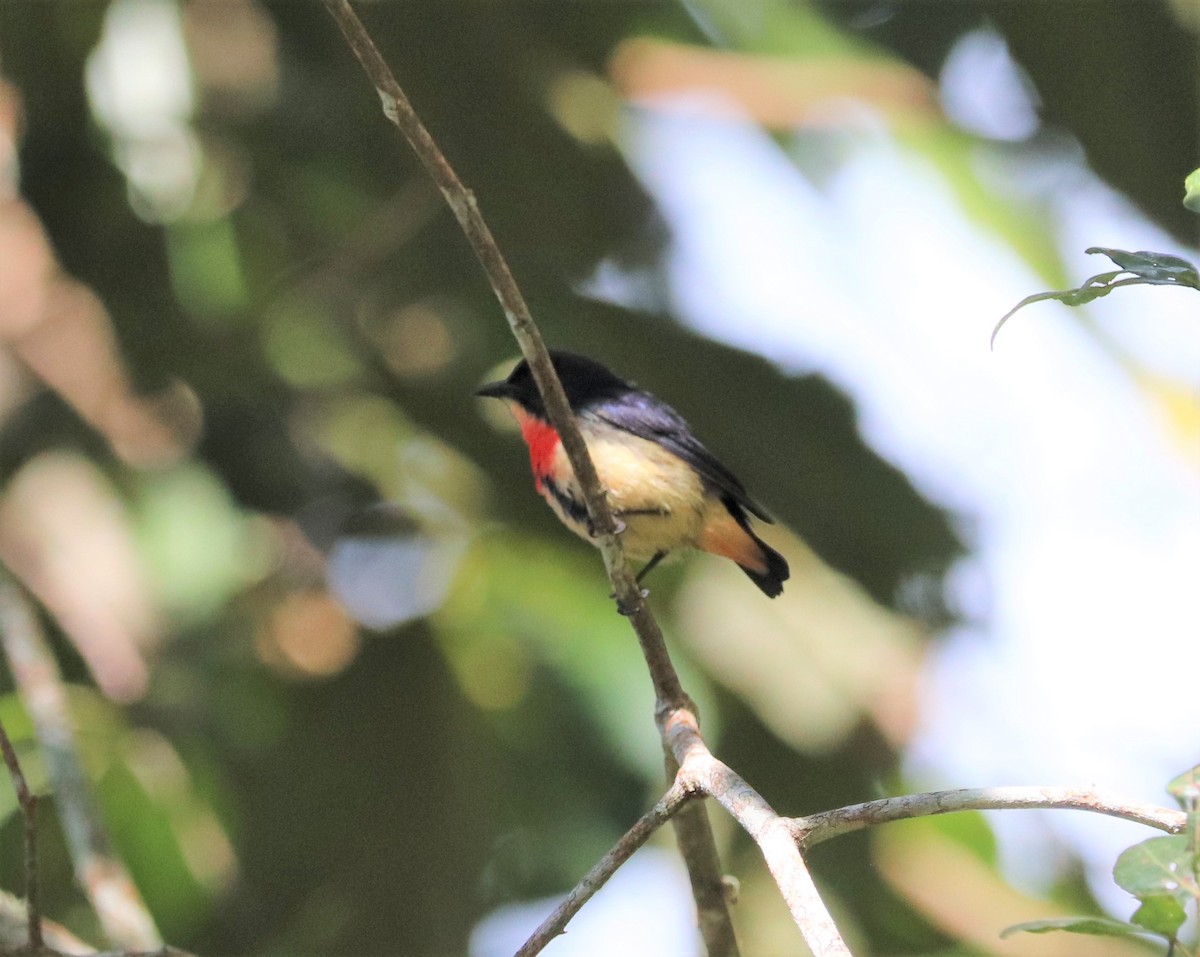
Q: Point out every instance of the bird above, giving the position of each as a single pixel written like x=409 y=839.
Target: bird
x=666 y=489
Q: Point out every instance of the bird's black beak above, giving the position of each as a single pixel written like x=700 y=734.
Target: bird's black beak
x=496 y=390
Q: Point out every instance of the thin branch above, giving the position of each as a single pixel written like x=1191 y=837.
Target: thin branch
x=28 y=804
x=462 y=203
x=716 y=924
x=815 y=828
x=107 y=884
x=710 y=888
x=668 y=806
x=771 y=832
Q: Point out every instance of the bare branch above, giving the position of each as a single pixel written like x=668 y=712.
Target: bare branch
x=107 y=884
x=772 y=833
x=693 y=832
x=672 y=802
x=28 y=804
x=822 y=826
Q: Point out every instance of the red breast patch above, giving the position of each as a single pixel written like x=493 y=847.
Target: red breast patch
x=543 y=443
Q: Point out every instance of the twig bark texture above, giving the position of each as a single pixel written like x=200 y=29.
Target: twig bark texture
x=598 y=876
x=821 y=827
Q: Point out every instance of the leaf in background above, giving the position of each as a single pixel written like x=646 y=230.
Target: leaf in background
x=1151 y=266
x=175 y=848
x=518 y=598
x=67 y=536
x=1191 y=191
x=814 y=665
x=1157 y=867
x=972 y=831
x=1098 y=926
x=1148 y=268
x=199 y=546
x=1186 y=787
x=1186 y=790
x=1162 y=914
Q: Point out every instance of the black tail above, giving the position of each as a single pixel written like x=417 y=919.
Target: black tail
x=771 y=581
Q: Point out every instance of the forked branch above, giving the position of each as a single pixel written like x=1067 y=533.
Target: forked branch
x=698 y=771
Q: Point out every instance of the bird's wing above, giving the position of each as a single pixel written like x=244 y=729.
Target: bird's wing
x=648 y=417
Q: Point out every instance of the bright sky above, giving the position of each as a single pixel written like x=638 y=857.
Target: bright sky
x=1080 y=503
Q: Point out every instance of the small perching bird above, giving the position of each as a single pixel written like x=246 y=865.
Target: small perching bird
x=666 y=488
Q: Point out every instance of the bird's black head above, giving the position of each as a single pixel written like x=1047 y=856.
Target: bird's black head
x=584 y=380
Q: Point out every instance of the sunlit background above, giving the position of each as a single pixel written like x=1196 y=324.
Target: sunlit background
x=342 y=683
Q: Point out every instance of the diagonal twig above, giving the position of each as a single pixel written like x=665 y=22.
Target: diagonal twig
x=28 y=804
x=112 y=893
x=710 y=889
x=700 y=858
x=670 y=804
x=462 y=203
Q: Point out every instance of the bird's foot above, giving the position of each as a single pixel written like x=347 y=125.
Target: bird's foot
x=627 y=609
x=618 y=527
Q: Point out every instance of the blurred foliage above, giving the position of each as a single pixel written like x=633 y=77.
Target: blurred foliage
x=257 y=358
x=1191 y=191
x=1121 y=81
x=1163 y=873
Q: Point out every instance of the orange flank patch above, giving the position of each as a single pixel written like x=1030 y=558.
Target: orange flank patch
x=722 y=535
x=542 y=440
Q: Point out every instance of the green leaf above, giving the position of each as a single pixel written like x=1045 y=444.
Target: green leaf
x=971 y=831
x=1159 y=866
x=1163 y=915
x=1094 y=288
x=1097 y=926
x=1191 y=191
x=1186 y=787
x=1146 y=268
x=1155 y=267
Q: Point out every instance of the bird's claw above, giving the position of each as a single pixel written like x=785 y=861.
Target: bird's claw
x=618 y=527
x=628 y=609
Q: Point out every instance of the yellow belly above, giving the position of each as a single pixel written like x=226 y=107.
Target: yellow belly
x=658 y=496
